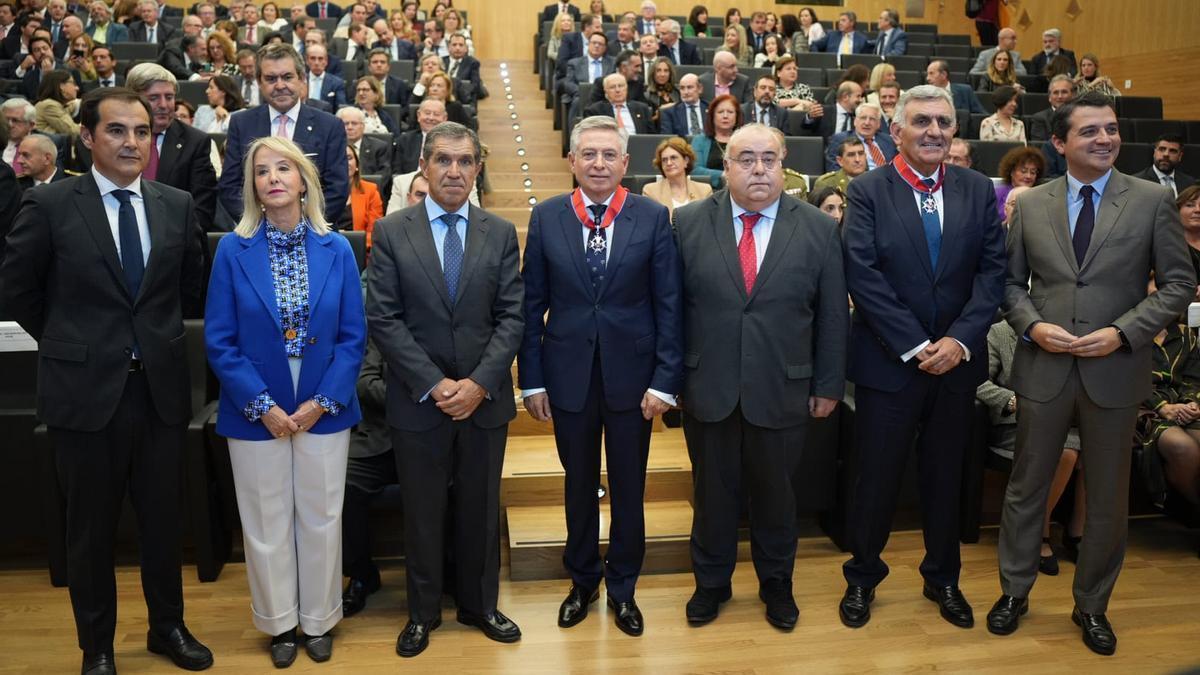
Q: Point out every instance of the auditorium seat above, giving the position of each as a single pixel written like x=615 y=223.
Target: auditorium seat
x=821 y=60
x=942 y=50
x=910 y=61
x=641 y=153
x=910 y=78
x=805 y=154
x=1192 y=128
x=1147 y=131
x=868 y=60
x=955 y=39
x=1191 y=160
x=193 y=92
x=1032 y=103
x=989 y=153
x=1134 y=157
x=1140 y=107
x=134 y=51
x=635 y=183
x=813 y=77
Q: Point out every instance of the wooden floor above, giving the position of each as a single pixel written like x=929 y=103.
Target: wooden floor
x=1153 y=612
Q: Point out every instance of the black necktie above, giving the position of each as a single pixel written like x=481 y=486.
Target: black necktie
x=846 y=121
x=131 y=242
x=1084 y=224
x=105 y=83
x=593 y=253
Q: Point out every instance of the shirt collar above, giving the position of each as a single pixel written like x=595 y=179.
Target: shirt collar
x=1074 y=185
x=768 y=212
x=435 y=210
x=1162 y=175
x=293 y=114
x=107 y=186
x=587 y=201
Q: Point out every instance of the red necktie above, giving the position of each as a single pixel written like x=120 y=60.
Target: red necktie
x=876 y=153
x=151 y=172
x=620 y=119
x=323 y=16
x=746 y=251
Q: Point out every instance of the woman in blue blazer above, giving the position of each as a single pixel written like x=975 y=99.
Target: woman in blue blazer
x=285 y=332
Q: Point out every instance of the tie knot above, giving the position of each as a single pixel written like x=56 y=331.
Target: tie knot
x=928 y=182
x=449 y=219
x=122 y=196
x=1087 y=191
x=597 y=212
x=749 y=220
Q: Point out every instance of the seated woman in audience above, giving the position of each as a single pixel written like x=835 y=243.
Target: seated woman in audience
x=774 y=48
x=454 y=25
x=400 y=24
x=365 y=203
x=439 y=10
x=1001 y=72
x=287 y=405
x=185 y=111
x=881 y=74
x=831 y=200
x=793 y=34
x=597 y=8
x=563 y=24
x=662 y=90
x=697 y=23
x=415 y=17
x=57 y=104
x=723 y=117
x=1188 y=203
x=789 y=92
x=1019 y=166
x=427 y=65
x=79 y=57
x=1090 y=79
x=772 y=22
x=441 y=87
x=229 y=28
x=224 y=99
x=733 y=17
x=1003 y=124
x=996 y=393
x=220 y=55
x=735 y=43
x=675 y=160
x=857 y=73
x=269 y=18
x=811 y=25
x=125 y=12
x=368 y=97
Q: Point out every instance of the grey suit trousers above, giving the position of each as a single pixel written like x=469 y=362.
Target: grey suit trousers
x=1107 y=442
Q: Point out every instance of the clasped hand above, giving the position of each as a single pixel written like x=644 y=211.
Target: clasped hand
x=1180 y=413
x=940 y=357
x=457 y=398
x=1058 y=340
x=281 y=424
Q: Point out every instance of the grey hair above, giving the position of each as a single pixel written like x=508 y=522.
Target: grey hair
x=924 y=92
x=753 y=127
x=599 y=123
x=142 y=76
x=451 y=131
x=1052 y=32
x=868 y=106
x=1062 y=77
x=25 y=106
x=670 y=25
x=351 y=111
x=43 y=143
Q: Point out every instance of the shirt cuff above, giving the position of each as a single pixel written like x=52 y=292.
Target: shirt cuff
x=966 y=352
x=662 y=396
x=907 y=356
x=258 y=407
x=331 y=406
x=426 y=396
x=526 y=393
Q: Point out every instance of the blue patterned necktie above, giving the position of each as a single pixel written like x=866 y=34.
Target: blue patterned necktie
x=131 y=242
x=933 y=226
x=597 y=245
x=452 y=254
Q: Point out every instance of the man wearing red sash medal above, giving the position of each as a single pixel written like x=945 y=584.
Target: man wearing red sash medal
x=925 y=267
x=605 y=360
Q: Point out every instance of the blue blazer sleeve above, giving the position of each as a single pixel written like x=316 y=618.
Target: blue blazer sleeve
x=702 y=145
x=537 y=301
x=667 y=295
x=240 y=380
x=340 y=380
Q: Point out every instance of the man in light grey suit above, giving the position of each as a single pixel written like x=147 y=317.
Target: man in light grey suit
x=1081 y=250
x=595 y=64
x=444 y=298
x=765 y=329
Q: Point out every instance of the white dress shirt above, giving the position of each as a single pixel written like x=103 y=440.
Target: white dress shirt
x=293 y=115
x=762 y=229
x=1167 y=179
x=112 y=209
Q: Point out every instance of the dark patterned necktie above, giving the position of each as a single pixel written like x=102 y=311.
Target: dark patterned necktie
x=597 y=246
x=452 y=255
x=931 y=223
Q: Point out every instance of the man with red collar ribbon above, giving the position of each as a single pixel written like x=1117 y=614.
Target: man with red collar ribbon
x=606 y=359
x=925 y=266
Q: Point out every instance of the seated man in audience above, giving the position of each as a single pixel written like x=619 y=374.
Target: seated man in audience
x=435 y=39
x=358 y=43
x=648 y=21
x=686 y=118
x=374 y=154
x=102 y=28
x=629 y=64
x=316 y=36
x=1052 y=47
x=847 y=39
x=20 y=115
x=39 y=157
x=461 y=66
x=574 y=44
x=1168 y=154
x=16 y=42
x=648 y=48
x=880 y=148
x=1062 y=89
x=72 y=27
x=673 y=47
x=1008 y=42
x=323 y=86
x=632 y=116
x=763 y=108
x=852 y=163
x=830 y=118
x=410 y=188
x=106 y=70
x=938 y=74
x=892 y=40
x=756 y=37
x=725 y=78
x=247 y=78
x=961 y=154
x=623 y=39
x=149 y=28
x=323 y=10
x=430 y=113
x=395 y=90
x=555 y=8
x=398 y=48
x=186 y=62
x=588 y=68
x=39 y=60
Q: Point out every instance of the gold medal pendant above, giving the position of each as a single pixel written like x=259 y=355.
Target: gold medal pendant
x=289 y=334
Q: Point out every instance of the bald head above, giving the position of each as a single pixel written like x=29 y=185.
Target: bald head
x=1007 y=38
x=431 y=113
x=690 y=88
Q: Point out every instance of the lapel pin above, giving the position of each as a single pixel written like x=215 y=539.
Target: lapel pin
x=179 y=146
x=309 y=128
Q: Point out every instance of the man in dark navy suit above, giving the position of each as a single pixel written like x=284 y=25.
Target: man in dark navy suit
x=607 y=360
x=673 y=47
x=323 y=10
x=686 y=118
x=323 y=85
x=574 y=44
x=553 y=10
x=847 y=39
x=462 y=67
x=322 y=136
x=395 y=90
x=937 y=73
x=925 y=266
x=763 y=109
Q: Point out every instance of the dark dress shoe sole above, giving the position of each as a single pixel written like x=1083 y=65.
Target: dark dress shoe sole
x=781 y=624
x=583 y=612
x=99 y=666
x=156 y=645
x=488 y=631
x=421 y=646
x=1102 y=650
x=951 y=618
x=1011 y=628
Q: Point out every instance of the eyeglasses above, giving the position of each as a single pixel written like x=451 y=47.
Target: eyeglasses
x=747 y=162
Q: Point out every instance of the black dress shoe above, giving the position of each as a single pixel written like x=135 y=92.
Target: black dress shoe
x=415 y=637
x=1071 y=547
x=1048 y=564
x=855 y=607
x=628 y=616
x=183 y=649
x=782 y=611
x=575 y=607
x=99 y=664
x=953 y=605
x=1004 y=615
x=319 y=647
x=283 y=649
x=354 y=598
x=494 y=625
x=705 y=603
x=1098 y=634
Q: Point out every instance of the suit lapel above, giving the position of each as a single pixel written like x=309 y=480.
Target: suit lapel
x=569 y=228
x=1111 y=206
x=952 y=201
x=722 y=228
x=255 y=261
x=781 y=235
x=169 y=153
x=91 y=208
x=477 y=230
x=1060 y=223
x=420 y=236
x=905 y=206
x=157 y=223
x=304 y=126
x=620 y=241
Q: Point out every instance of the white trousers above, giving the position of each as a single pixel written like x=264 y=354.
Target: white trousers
x=289 y=493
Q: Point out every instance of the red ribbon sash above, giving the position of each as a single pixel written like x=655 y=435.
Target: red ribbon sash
x=906 y=172
x=614 y=208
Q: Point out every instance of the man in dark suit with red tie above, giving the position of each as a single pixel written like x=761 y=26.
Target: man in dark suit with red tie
x=925 y=267
x=323 y=10
x=606 y=361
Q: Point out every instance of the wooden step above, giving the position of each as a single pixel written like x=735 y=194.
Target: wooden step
x=537 y=535
x=533 y=475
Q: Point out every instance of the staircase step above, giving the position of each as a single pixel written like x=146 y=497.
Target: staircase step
x=533 y=475
x=537 y=535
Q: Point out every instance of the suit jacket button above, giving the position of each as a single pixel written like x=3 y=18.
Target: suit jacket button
x=1079 y=284
x=128 y=351
x=312 y=340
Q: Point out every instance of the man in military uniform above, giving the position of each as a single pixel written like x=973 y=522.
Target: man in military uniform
x=795 y=184
x=852 y=158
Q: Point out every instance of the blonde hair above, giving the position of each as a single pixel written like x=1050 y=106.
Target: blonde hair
x=312 y=208
x=878 y=73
